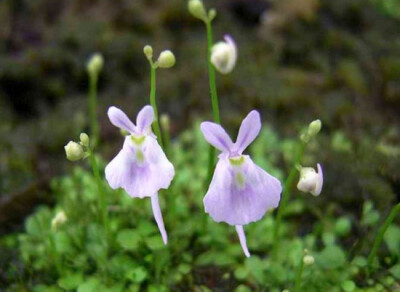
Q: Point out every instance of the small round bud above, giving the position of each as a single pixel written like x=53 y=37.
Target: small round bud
x=74 y=151
x=314 y=128
x=211 y=14
x=308 y=260
x=84 y=139
x=196 y=8
x=58 y=220
x=166 y=59
x=148 y=52
x=165 y=122
x=95 y=64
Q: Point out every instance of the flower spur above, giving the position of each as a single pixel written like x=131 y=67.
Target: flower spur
x=240 y=191
x=141 y=167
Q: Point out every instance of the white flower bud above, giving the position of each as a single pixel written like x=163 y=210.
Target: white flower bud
x=95 y=64
x=166 y=59
x=165 y=122
x=148 y=52
x=311 y=181
x=58 y=220
x=74 y=151
x=224 y=55
x=314 y=128
x=308 y=260
x=196 y=8
x=84 y=139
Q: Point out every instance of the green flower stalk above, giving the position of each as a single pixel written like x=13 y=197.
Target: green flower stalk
x=165 y=60
x=94 y=67
x=312 y=130
x=306 y=260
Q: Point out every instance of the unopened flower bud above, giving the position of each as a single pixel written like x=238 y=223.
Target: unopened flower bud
x=310 y=180
x=224 y=55
x=165 y=122
x=74 y=151
x=308 y=260
x=58 y=220
x=95 y=64
x=148 y=52
x=166 y=59
x=314 y=128
x=84 y=139
x=196 y=8
x=211 y=14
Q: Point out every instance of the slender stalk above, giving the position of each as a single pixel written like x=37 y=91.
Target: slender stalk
x=55 y=255
x=286 y=195
x=379 y=237
x=214 y=97
x=100 y=187
x=299 y=273
x=94 y=124
x=156 y=125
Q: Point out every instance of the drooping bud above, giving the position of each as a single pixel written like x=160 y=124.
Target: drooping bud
x=58 y=220
x=310 y=180
x=74 y=151
x=166 y=59
x=84 y=139
x=196 y=8
x=95 y=64
x=211 y=14
x=224 y=55
x=148 y=52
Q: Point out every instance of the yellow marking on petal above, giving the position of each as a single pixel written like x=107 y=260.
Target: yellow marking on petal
x=139 y=156
x=138 y=140
x=237 y=161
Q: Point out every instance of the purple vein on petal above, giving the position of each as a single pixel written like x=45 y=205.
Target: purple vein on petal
x=158 y=217
x=242 y=238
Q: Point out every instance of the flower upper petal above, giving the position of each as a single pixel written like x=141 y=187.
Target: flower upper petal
x=144 y=119
x=227 y=202
x=216 y=136
x=119 y=119
x=319 y=182
x=248 y=131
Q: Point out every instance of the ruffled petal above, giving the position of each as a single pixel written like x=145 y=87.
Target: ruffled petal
x=319 y=183
x=216 y=136
x=158 y=217
x=241 y=200
x=141 y=172
x=119 y=119
x=248 y=131
x=144 y=119
x=234 y=54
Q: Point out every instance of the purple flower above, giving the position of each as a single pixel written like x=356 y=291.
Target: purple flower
x=141 y=167
x=240 y=191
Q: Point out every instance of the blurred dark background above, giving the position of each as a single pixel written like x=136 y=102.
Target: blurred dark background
x=298 y=60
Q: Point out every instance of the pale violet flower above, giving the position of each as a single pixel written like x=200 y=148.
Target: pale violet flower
x=311 y=181
x=224 y=55
x=141 y=167
x=240 y=191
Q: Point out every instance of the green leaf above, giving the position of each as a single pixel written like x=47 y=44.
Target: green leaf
x=129 y=239
x=91 y=285
x=242 y=288
x=137 y=275
x=343 y=226
x=241 y=273
x=184 y=268
x=392 y=239
x=70 y=282
x=348 y=286
x=332 y=257
x=154 y=242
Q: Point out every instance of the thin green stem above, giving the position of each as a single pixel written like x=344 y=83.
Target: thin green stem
x=156 y=124
x=379 y=237
x=55 y=255
x=100 y=187
x=94 y=124
x=214 y=96
x=299 y=273
x=286 y=195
